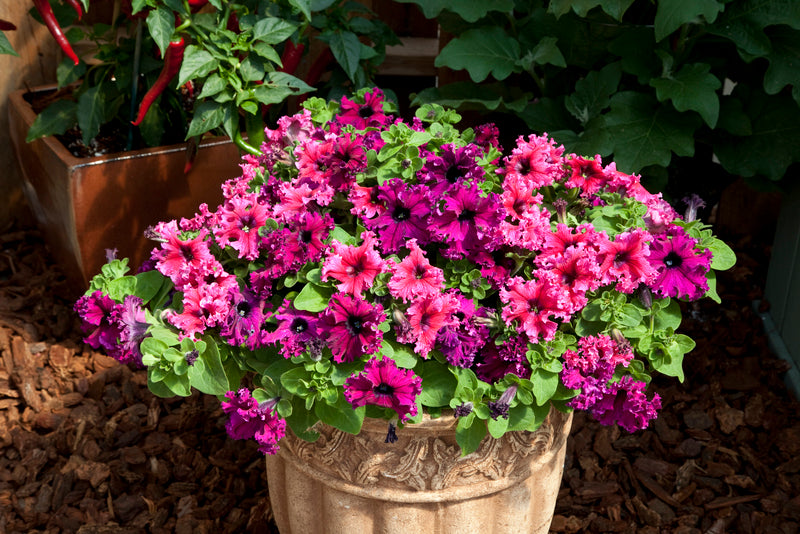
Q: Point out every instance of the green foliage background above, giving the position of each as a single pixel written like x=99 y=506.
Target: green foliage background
x=644 y=82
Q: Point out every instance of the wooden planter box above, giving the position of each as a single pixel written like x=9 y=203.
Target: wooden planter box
x=86 y=205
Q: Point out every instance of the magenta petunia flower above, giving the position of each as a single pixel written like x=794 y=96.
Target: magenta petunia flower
x=368 y=114
x=365 y=201
x=98 y=321
x=578 y=270
x=314 y=161
x=405 y=215
x=249 y=419
x=536 y=304
x=680 y=266
x=351 y=327
x=461 y=340
x=467 y=222
x=382 y=383
x=347 y=160
x=238 y=225
x=453 y=166
x=591 y=367
x=354 y=266
x=624 y=260
x=625 y=403
x=496 y=361
x=297 y=331
x=414 y=277
x=305 y=242
x=242 y=325
x=204 y=306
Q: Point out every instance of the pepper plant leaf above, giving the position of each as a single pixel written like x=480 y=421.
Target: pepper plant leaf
x=161 y=24
x=482 y=51
x=55 y=119
x=346 y=49
x=646 y=133
x=5 y=45
x=743 y=22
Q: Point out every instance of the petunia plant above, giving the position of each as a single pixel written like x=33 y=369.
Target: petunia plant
x=367 y=266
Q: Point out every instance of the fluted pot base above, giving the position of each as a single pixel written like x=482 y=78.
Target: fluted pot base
x=346 y=484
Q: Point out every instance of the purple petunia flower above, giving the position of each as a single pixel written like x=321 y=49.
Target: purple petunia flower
x=131 y=317
x=680 y=267
x=494 y=362
x=626 y=404
x=249 y=419
x=405 y=215
x=467 y=222
x=351 y=327
x=453 y=166
x=297 y=332
x=382 y=383
x=591 y=368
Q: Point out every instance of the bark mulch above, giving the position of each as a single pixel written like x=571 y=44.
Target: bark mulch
x=84 y=447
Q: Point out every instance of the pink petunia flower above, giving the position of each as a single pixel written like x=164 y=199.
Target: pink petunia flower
x=414 y=277
x=592 y=367
x=238 y=225
x=181 y=259
x=365 y=115
x=467 y=221
x=382 y=383
x=426 y=317
x=536 y=304
x=537 y=160
x=624 y=260
x=354 y=266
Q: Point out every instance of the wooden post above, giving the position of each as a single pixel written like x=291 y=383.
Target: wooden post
x=36 y=65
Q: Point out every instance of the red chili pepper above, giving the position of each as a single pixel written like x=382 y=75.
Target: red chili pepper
x=6 y=26
x=46 y=11
x=172 y=64
x=77 y=7
x=292 y=54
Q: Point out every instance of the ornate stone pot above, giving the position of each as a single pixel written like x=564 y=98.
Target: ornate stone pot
x=348 y=484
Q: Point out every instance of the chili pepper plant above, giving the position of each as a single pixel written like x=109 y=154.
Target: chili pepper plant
x=165 y=71
x=367 y=266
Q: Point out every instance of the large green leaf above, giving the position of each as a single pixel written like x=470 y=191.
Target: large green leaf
x=469 y=10
x=645 y=133
x=692 y=88
x=784 y=60
x=482 y=51
x=340 y=415
x=438 y=384
x=313 y=298
x=772 y=145
x=594 y=139
x=671 y=14
x=615 y=8
x=55 y=119
x=743 y=22
x=593 y=93
x=207 y=373
x=467 y=95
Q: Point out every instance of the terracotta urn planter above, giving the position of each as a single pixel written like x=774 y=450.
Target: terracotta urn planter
x=347 y=484
x=86 y=205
